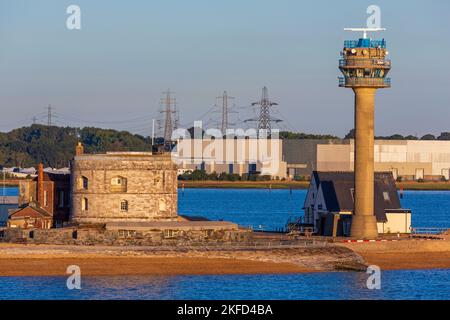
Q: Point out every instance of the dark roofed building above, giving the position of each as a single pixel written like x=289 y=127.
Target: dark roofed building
x=329 y=204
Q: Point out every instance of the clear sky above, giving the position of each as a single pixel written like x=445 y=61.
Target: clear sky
x=111 y=72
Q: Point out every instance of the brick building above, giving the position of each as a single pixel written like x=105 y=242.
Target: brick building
x=50 y=191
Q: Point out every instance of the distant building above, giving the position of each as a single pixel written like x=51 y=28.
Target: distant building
x=30 y=216
x=329 y=204
x=300 y=155
x=407 y=159
x=50 y=191
x=123 y=187
x=233 y=156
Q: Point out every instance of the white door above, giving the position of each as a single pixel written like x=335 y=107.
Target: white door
x=419 y=174
x=446 y=174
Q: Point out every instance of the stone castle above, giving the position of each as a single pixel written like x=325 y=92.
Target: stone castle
x=123 y=186
x=119 y=198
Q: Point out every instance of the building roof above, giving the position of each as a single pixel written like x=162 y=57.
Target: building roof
x=33 y=207
x=338 y=192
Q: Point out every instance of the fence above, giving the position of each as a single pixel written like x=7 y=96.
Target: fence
x=424 y=231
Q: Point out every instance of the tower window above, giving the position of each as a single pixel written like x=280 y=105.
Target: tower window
x=83 y=183
x=84 y=204
x=118 y=184
x=124 y=206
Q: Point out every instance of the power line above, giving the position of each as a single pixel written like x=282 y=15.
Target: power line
x=264 y=120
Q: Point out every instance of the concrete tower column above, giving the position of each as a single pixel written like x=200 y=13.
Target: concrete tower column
x=364 y=224
x=365 y=67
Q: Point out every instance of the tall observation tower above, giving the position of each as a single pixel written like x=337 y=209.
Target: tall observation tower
x=364 y=66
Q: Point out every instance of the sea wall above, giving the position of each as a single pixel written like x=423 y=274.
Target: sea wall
x=101 y=236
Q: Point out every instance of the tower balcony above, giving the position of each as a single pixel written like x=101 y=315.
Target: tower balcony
x=365 y=43
x=361 y=82
x=365 y=63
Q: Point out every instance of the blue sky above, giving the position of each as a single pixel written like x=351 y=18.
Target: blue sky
x=112 y=72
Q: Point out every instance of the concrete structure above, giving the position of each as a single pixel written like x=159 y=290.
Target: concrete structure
x=123 y=186
x=364 y=67
x=300 y=155
x=329 y=204
x=235 y=156
x=406 y=159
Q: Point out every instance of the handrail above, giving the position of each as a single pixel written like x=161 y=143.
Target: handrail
x=362 y=81
x=428 y=230
x=372 y=44
x=364 y=62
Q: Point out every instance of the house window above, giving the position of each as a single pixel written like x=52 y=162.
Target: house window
x=84 y=204
x=386 y=196
x=320 y=207
x=352 y=191
x=170 y=233
x=118 y=184
x=124 y=206
x=45 y=199
x=83 y=183
x=127 y=233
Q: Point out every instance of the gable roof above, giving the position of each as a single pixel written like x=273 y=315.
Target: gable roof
x=337 y=191
x=22 y=210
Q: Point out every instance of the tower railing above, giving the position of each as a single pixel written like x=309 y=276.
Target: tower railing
x=364 y=63
x=364 y=82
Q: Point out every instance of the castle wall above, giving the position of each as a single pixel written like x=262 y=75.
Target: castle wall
x=150 y=192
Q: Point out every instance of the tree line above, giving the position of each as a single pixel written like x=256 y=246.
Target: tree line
x=55 y=146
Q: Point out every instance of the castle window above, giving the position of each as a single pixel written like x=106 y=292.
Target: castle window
x=124 y=206
x=118 y=184
x=84 y=204
x=83 y=183
x=61 y=199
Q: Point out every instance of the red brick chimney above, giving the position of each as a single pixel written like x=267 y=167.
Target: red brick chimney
x=40 y=185
x=79 y=150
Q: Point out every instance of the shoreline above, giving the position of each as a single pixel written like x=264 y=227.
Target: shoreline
x=53 y=260
x=299 y=185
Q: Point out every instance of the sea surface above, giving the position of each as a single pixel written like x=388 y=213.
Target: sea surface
x=267 y=210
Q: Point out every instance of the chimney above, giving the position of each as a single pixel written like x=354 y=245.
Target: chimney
x=40 y=185
x=79 y=150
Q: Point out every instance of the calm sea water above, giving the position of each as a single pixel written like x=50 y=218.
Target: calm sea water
x=421 y=284
x=271 y=209
x=268 y=209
